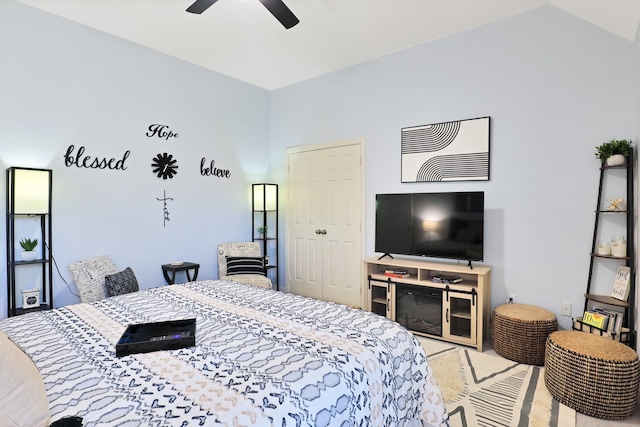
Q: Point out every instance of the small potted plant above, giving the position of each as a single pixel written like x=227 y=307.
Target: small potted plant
x=29 y=246
x=262 y=231
x=614 y=152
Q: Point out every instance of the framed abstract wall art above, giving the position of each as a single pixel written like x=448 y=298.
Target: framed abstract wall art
x=448 y=151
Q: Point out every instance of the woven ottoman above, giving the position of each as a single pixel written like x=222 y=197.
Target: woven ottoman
x=520 y=332
x=594 y=375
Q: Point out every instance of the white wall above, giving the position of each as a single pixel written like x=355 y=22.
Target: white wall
x=555 y=87
x=63 y=84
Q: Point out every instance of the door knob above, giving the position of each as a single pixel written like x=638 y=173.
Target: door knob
x=318 y=231
x=324 y=231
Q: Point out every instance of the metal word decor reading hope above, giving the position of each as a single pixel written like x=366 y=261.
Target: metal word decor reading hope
x=448 y=151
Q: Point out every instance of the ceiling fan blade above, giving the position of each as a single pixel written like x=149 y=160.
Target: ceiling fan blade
x=200 y=6
x=281 y=12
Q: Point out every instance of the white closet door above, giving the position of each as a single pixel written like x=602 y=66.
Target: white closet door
x=304 y=219
x=324 y=225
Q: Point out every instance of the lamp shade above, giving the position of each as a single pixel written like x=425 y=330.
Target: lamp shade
x=430 y=225
x=264 y=197
x=31 y=190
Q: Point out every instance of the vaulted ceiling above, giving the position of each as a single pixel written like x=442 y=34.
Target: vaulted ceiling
x=241 y=39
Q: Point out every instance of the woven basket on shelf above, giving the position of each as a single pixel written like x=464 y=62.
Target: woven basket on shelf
x=594 y=375
x=520 y=332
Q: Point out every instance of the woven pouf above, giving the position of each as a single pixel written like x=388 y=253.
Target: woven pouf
x=520 y=332
x=594 y=375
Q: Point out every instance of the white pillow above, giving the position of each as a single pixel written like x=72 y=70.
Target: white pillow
x=89 y=277
x=23 y=397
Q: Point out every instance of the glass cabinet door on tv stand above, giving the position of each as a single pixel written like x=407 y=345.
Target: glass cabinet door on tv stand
x=459 y=316
x=264 y=224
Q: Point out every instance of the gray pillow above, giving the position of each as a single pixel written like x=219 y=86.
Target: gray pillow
x=123 y=282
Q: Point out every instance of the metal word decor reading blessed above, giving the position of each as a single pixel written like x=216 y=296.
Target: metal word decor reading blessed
x=448 y=151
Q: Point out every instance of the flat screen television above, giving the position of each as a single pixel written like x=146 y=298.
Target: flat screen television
x=439 y=225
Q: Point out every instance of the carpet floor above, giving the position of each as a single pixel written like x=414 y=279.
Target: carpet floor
x=485 y=390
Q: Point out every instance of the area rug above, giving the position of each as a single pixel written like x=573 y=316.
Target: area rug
x=485 y=390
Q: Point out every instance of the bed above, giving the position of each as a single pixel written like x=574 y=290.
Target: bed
x=262 y=358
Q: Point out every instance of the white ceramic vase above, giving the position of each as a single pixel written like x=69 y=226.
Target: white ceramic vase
x=615 y=160
x=29 y=255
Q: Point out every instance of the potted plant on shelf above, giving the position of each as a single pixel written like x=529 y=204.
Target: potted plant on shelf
x=262 y=231
x=614 y=152
x=29 y=246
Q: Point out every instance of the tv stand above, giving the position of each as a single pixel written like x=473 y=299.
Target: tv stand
x=470 y=265
x=465 y=306
x=386 y=255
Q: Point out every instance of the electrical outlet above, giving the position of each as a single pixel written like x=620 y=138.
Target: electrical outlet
x=565 y=309
x=511 y=299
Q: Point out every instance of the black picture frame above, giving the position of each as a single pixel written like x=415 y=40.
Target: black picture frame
x=447 y=151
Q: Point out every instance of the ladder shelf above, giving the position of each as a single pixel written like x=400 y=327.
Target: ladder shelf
x=593 y=298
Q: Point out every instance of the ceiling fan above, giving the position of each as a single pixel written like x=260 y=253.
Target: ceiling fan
x=276 y=7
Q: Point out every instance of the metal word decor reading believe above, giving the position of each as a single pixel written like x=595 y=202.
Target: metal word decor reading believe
x=448 y=151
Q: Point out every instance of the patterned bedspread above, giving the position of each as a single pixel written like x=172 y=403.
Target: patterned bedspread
x=262 y=358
